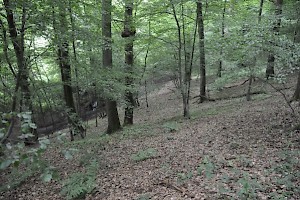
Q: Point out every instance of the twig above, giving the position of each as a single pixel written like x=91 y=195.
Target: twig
x=280 y=91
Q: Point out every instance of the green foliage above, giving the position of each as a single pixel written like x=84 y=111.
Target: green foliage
x=68 y=153
x=78 y=185
x=144 y=154
x=171 y=126
x=144 y=197
x=184 y=177
x=287 y=174
x=17 y=178
x=249 y=187
x=23 y=170
x=207 y=168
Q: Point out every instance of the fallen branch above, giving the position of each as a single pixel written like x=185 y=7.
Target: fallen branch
x=231 y=97
x=235 y=85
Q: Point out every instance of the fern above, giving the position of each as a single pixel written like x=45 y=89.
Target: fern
x=78 y=185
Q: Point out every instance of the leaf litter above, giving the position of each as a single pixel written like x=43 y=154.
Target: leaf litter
x=230 y=149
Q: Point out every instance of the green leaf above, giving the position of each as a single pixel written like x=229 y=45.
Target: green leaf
x=5 y=164
x=67 y=154
x=32 y=125
x=17 y=163
x=47 y=177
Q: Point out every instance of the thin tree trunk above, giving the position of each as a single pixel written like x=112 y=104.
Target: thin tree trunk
x=146 y=94
x=219 y=73
x=296 y=95
x=145 y=66
x=270 y=71
x=248 y=96
x=75 y=58
x=5 y=48
x=202 y=53
x=261 y=4
x=111 y=105
x=128 y=34
x=187 y=57
x=179 y=52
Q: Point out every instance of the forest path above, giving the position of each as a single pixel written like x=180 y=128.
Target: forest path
x=227 y=150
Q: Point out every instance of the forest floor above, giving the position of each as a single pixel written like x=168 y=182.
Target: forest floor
x=229 y=149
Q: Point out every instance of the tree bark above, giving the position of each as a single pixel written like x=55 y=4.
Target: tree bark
x=75 y=58
x=129 y=31
x=270 y=71
x=296 y=95
x=261 y=4
x=111 y=105
x=179 y=59
x=22 y=82
x=219 y=73
x=65 y=67
x=202 y=53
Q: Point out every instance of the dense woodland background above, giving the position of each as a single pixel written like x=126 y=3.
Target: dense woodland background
x=87 y=67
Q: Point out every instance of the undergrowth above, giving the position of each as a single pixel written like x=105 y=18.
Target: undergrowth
x=79 y=184
x=144 y=154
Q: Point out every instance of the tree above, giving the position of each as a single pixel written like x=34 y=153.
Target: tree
x=261 y=4
x=129 y=33
x=65 y=67
x=111 y=105
x=17 y=36
x=185 y=53
x=271 y=57
x=219 y=73
x=296 y=95
x=202 y=52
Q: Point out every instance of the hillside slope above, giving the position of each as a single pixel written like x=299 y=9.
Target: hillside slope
x=229 y=149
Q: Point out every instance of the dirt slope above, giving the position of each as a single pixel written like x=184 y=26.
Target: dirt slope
x=230 y=149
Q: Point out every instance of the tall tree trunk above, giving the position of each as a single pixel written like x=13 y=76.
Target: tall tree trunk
x=219 y=73
x=187 y=69
x=179 y=54
x=65 y=67
x=184 y=44
x=18 y=39
x=296 y=95
x=129 y=33
x=202 y=53
x=111 y=105
x=270 y=71
x=75 y=58
x=261 y=4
